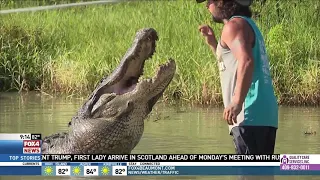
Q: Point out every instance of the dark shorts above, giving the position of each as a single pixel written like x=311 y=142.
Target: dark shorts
x=254 y=139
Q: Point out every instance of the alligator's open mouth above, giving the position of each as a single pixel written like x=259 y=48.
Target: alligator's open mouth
x=150 y=89
x=129 y=83
x=128 y=74
x=125 y=79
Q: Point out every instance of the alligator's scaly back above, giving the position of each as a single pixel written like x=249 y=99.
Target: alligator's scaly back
x=111 y=121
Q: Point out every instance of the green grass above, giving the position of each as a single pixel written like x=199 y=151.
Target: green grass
x=70 y=50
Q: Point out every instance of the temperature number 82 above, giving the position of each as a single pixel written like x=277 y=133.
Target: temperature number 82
x=119 y=171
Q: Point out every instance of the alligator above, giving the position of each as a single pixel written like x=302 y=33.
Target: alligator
x=111 y=121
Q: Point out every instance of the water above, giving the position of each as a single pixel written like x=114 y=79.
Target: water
x=168 y=130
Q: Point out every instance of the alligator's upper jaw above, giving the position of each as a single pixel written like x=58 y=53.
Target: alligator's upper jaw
x=126 y=75
x=124 y=78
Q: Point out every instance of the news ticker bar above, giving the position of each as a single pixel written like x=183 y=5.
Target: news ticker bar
x=101 y=169
x=288 y=159
x=159 y=158
x=31 y=163
x=287 y=165
x=134 y=158
x=212 y=158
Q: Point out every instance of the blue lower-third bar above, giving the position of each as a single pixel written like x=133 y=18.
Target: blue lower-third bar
x=215 y=170
x=20 y=170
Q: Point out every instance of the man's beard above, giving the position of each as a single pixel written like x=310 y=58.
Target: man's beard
x=216 y=19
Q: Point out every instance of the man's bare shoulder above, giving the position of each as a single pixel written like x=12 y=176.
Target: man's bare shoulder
x=237 y=32
x=234 y=26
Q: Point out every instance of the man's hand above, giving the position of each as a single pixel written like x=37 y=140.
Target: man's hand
x=231 y=112
x=208 y=33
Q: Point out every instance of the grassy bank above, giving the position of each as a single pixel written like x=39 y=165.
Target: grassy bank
x=70 y=50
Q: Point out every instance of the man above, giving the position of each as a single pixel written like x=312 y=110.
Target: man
x=251 y=109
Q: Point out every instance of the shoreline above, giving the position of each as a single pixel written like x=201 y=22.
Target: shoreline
x=163 y=100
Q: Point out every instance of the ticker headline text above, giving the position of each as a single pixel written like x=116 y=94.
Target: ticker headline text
x=159 y=158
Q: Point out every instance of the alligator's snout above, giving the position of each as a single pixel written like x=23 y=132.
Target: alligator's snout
x=154 y=35
x=127 y=75
x=148 y=33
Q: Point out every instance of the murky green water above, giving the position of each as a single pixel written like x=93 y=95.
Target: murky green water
x=168 y=130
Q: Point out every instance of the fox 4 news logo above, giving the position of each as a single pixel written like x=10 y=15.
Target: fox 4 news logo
x=31 y=147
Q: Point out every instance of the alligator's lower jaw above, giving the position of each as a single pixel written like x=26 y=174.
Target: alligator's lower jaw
x=149 y=81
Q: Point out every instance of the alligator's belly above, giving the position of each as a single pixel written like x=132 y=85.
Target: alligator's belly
x=117 y=143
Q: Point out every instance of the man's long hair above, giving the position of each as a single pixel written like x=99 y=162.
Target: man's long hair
x=229 y=8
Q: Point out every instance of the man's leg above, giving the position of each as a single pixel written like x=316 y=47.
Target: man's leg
x=265 y=139
x=244 y=140
x=254 y=140
x=244 y=144
x=265 y=143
